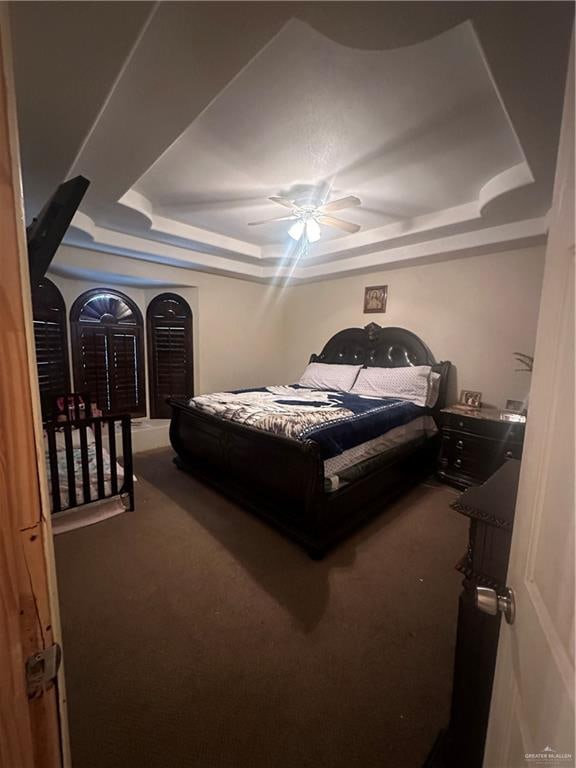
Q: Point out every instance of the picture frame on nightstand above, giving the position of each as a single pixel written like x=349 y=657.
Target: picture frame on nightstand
x=515 y=406
x=471 y=398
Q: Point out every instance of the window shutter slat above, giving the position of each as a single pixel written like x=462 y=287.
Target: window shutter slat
x=170 y=361
x=51 y=342
x=93 y=374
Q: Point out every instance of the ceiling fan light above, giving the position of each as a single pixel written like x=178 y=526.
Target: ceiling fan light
x=312 y=231
x=297 y=229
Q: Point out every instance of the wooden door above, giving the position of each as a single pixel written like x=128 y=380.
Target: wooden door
x=532 y=712
x=29 y=728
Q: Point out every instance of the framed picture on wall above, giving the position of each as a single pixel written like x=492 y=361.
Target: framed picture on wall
x=375 y=297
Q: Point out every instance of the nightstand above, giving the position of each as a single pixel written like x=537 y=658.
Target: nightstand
x=475 y=443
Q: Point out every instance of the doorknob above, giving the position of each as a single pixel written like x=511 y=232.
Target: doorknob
x=489 y=601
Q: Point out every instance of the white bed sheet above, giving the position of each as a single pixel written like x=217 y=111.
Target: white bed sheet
x=423 y=426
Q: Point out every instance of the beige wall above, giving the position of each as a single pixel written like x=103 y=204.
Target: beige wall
x=475 y=312
x=237 y=324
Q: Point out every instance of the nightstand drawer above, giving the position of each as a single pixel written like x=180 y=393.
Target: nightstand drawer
x=499 y=430
x=509 y=451
x=467 y=454
x=471 y=466
x=484 y=449
x=458 y=443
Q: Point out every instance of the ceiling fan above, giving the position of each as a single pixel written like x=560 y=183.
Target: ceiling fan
x=308 y=216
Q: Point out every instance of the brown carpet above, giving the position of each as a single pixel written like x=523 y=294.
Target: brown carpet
x=195 y=635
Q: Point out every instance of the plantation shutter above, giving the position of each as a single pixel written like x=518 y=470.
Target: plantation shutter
x=107 y=351
x=171 y=370
x=126 y=384
x=51 y=342
x=92 y=365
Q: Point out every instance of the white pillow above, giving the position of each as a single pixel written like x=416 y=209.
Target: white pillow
x=407 y=383
x=433 y=389
x=332 y=376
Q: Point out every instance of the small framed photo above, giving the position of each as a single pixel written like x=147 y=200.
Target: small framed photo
x=470 y=398
x=375 y=297
x=515 y=406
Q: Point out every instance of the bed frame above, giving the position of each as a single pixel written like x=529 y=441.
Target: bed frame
x=282 y=479
x=75 y=416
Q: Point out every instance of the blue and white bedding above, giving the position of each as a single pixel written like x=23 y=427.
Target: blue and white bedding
x=336 y=421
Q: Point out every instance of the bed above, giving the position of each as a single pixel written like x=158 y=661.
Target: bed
x=81 y=451
x=315 y=477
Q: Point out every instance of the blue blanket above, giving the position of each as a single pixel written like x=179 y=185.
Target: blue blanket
x=336 y=421
x=371 y=418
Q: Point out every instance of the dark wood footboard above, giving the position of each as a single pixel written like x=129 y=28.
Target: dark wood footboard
x=282 y=479
x=277 y=477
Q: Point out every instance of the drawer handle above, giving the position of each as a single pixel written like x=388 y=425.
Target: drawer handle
x=460 y=423
x=509 y=455
x=458 y=463
x=460 y=445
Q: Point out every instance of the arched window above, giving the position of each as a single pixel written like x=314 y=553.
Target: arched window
x=107 y=351
x=170 y=362
x=51 y=341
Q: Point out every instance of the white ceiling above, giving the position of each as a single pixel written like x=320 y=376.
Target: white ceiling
x=306 y=110
x=186 y=117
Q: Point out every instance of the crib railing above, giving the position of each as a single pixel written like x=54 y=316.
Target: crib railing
x=101 y=426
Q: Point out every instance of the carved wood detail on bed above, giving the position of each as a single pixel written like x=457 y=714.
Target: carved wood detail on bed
x=376 y=346
x=282 y=479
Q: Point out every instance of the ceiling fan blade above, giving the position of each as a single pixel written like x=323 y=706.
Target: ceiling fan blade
x=343 y=202
x=266 y=221
x=331 y=221
x=284 y=201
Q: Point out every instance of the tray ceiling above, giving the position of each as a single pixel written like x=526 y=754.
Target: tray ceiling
x=194 y=124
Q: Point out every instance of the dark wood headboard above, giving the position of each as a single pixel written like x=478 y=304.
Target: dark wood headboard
x=374 y=345
x=382 y=347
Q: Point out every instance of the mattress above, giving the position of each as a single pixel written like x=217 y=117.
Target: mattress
x=356 y=461
x=336 y=421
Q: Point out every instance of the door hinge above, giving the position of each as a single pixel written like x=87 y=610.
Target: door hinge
x=41 y=669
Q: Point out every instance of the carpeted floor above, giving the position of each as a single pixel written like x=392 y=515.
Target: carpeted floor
x=195 y=635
